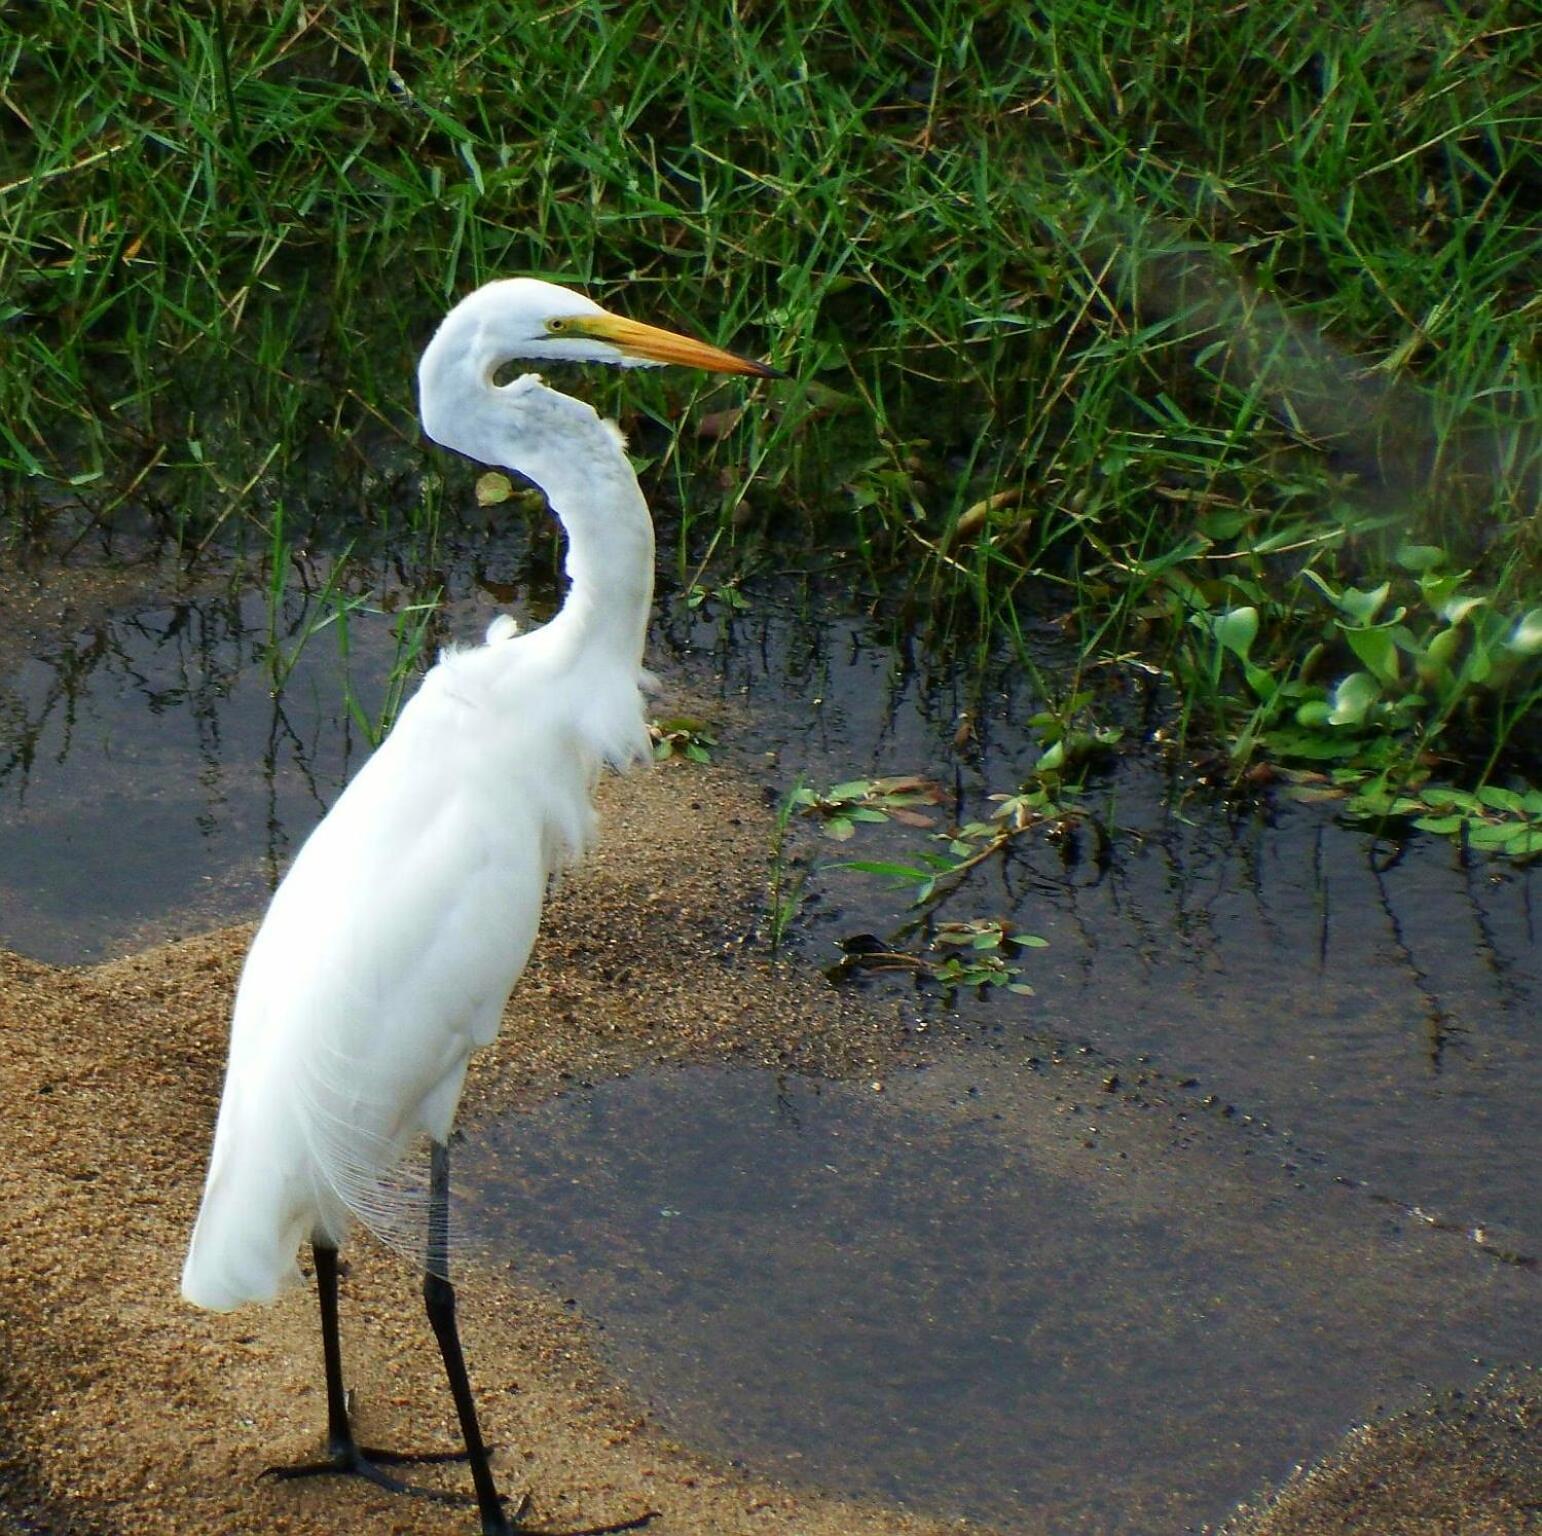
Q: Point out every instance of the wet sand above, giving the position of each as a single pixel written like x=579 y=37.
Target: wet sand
x=125 y=1409
x=1467 y=1463
x=122 y=1409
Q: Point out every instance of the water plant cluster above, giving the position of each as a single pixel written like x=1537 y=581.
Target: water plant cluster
x=1205 y=333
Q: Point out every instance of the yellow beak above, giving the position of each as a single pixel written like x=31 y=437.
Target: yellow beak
x=650 y=344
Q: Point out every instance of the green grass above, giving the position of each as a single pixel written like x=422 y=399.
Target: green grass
x=1195 y=296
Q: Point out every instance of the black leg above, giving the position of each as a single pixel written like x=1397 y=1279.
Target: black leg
x=439 y=1297
x=344 y=1454
x=339 y=1431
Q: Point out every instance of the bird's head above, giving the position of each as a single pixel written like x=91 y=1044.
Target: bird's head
x=522 y=318
x=525 y=318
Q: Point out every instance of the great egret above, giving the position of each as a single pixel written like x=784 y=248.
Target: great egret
x=391 y=947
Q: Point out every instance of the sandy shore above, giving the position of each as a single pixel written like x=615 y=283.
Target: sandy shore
x=123 y=1410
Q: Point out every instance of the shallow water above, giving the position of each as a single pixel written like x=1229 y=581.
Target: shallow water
x=1377 y=1005
x=151 y=779
x=984 y=1290
x=1302 y=1196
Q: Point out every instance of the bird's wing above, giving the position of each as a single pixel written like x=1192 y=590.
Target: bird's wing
x=387 y=955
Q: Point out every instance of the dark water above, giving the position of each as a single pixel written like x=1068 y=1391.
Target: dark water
x=985 y=1290
x=151 y=780
x=1000 y=1287
x=1378 y=1004
x=157 y=770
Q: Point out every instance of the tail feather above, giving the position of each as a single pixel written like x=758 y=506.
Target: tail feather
x=242 y=1250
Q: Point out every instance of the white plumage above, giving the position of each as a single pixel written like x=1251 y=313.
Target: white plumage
x=391 y=947
x=417 y=898
x=394 y=941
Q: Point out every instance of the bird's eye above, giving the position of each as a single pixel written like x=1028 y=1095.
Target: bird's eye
x=555 y=326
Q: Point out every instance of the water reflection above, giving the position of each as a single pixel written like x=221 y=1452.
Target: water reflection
x=161 y=758
x=1378 y=1005
x=152 y=778
x=986 y=1291
x=150 y=773
x=1345 y=1039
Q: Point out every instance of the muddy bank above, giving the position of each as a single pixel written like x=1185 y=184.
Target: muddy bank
x=123 y=1410
x=1468 y=1462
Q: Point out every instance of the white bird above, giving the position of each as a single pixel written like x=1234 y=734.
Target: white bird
x=392 y=944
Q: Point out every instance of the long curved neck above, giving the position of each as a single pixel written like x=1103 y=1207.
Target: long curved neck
x=578 y=460
x=594 y=494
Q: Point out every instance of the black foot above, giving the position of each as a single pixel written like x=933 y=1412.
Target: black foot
x=362 y=1461
x=365 y=1462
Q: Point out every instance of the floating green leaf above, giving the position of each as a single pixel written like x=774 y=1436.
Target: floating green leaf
x=1353 y=698
x=1364 y=606
x=1376 y=648
x=1526 y=638
x=1236 y=629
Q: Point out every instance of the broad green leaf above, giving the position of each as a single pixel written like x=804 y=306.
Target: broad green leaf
x=1442 y=649
x=1444 y=825
x=1455 y=609
x=1364 y=606
x=1353 y=698
x=1420 y=558
x=1375 y=647
x=1260 y=681
x=1438 y=587
x=1236 y=630
x=1526 y=638
x=1500 y=799
x=1223 y=525
x=1445 y=795
x=1491 y=834
x=1373 y=800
